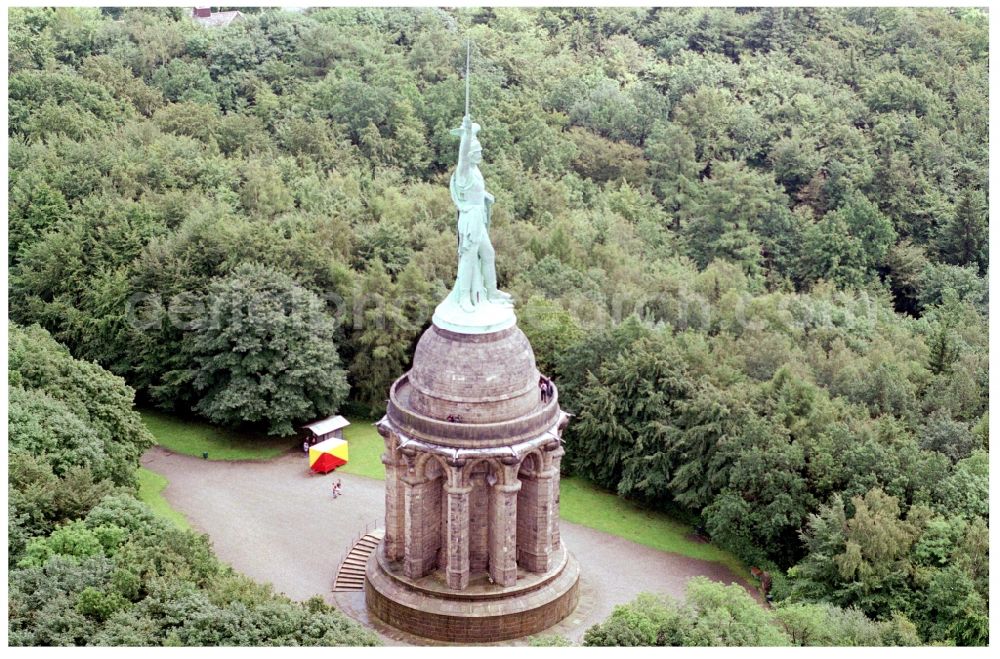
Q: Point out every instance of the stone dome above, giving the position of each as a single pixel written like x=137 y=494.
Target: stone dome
x=481 y=389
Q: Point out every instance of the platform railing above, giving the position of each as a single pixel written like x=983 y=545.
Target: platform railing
x=482 y=433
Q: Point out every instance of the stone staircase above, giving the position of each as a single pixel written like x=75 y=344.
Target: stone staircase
x=351 y=574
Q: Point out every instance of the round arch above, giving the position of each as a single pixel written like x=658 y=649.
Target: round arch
x=422 y=461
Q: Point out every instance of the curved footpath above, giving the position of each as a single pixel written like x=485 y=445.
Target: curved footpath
x=276 y=522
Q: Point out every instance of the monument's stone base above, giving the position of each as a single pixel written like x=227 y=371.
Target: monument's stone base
x=482 y=613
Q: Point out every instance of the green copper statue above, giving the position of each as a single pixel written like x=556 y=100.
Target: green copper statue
x=476 y=283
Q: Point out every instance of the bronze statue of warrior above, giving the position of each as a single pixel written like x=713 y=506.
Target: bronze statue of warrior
x=476 y=281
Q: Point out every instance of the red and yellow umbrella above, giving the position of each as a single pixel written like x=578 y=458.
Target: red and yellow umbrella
x=327 y=455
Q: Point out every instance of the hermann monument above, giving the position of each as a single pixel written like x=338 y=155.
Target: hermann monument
x=472 y=432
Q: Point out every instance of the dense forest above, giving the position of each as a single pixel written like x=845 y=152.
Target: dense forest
x=89 y=564
x=750 y=245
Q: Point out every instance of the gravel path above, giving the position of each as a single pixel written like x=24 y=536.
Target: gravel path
x=276 y=522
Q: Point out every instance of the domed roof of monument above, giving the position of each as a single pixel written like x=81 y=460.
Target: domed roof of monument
x=481 y=378
x=472 y=387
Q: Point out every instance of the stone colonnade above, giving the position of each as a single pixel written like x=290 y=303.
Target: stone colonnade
x=466 y=513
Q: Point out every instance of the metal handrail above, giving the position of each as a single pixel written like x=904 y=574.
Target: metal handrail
x=460 y=434
x=370 y=526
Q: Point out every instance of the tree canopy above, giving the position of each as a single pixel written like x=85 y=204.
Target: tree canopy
x=89 y=564
x=750 y=246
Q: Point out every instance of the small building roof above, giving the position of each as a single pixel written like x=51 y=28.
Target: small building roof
x=327 y=445
x=219 y=18
x=327 y=425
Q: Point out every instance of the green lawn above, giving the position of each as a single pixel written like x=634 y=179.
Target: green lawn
x=365 y=446
x=583 y=503
x=151 y=485
x=195 y=437
x=580 y=501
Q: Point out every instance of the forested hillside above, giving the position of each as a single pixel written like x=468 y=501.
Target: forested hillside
x=749 y=245
x=91 y=565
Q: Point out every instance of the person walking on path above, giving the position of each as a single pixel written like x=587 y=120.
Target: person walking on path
x=336 y=488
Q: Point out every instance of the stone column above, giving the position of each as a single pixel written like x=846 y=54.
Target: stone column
x=479 y=523
x=456 y=536
x=535 y=505
x=414 y=527
x=555 y=457
x=503 y=531
x=394 y=509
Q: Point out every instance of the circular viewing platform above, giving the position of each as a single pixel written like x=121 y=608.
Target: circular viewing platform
x=468 y=435
x=473 y=391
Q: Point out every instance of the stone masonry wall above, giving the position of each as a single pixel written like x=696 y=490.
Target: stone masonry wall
x=432 y=510
x=529 y=535
x=527 y=614
x=479 y=512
